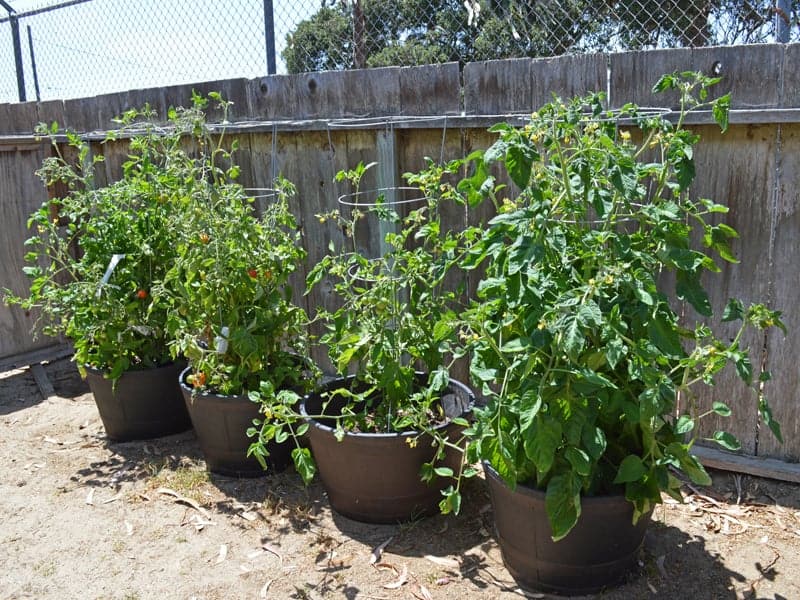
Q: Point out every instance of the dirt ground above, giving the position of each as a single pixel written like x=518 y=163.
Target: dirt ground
x=81 y=517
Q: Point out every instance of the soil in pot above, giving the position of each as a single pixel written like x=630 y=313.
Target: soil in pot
x=375 y=477
x=221 y=424
x=600 y=551
x=142 y=405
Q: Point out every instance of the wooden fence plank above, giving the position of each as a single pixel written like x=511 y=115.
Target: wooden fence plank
x=430 y=90
x=790 y=96
x=496 y=87
x=567 y=76
x=344 y=94
x=91 y=114
x=21 y=193
x=784 y=389
x=633 y=74
x=737 y=169
x=21 y=117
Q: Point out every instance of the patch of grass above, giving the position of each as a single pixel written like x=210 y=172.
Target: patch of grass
x=182 y=479
x=45 y=568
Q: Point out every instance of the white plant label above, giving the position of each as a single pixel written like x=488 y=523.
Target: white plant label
x=112 y=264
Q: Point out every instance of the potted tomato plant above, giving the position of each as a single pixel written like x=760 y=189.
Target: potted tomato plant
x=587 y=367
x=95 y=257
x=231 y=311
x=385 y=432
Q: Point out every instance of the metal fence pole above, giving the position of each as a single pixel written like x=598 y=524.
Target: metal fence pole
x=782 y=13
x=269 y=34
x=14 y=22
x=33 y=65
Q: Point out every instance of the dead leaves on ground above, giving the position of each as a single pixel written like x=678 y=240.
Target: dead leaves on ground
x=734 y=519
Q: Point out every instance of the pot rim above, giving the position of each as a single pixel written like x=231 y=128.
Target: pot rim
x=332 y=384
x=194 y=392
x=104 y=372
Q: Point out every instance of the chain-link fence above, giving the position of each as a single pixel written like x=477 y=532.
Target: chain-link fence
x=87 y=47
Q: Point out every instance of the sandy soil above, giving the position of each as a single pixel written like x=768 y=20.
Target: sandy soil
x=81 y=517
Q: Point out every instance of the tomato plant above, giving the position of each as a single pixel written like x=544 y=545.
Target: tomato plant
x=576 y=341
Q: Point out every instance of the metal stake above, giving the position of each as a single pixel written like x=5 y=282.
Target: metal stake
x=269 y=34
x=33 y=65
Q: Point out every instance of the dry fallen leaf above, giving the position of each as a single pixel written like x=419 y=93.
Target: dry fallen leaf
x=378 y=551
x=184 y=500
x=421 y=592
x=248 y=516
x=264 y=589
x=90 y=497
x=51 y=440
x=199 y=523
x=223 y=553
x=442 y=581
x=128 y=528
x=401 y=579
x=384 y=566
x=272 y=550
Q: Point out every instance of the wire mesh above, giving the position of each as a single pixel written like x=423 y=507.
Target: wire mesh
x=89 y=47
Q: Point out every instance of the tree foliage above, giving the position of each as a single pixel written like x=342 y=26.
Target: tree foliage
x=346 y=34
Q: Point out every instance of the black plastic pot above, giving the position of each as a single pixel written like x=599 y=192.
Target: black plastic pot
x=142 y=405
x=221 y=424
x=375 y=477
x=599 y=552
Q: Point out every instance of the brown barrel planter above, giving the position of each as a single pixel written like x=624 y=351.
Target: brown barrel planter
x=221 y=424
x=375 y=477
x=142 y=405
x=600 y=551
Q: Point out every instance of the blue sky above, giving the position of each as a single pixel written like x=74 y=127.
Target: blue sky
x=113 y=45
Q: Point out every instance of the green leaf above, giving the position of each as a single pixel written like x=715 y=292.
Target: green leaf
x=665 y=82
x=541 y=442
x=643 y=296
x=734 y=310
x=727 y=440
x=563 y=504
x=720 y=109
x=615 y=350
x=684 y=425
x=766 y=414
x=721 y=409
x=451 y=503
x=743 y=366
x=594 y=440
x=665 y=336
x=443 y=471
x=519 y=159
x=688 y=288
x=573 y=338
x=444 y=327
x=696 y=472
x=529 y=406
x=631 y=469
x=590 y=315
x=579 y=460
x=304 y=464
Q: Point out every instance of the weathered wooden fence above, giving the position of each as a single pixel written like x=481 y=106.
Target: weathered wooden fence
x=309 y=126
